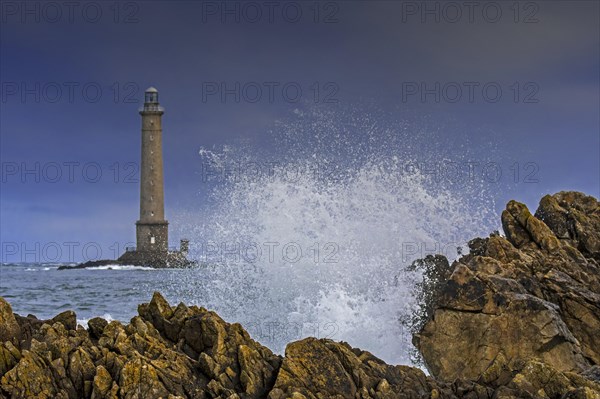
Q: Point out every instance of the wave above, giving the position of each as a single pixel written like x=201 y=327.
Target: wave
x=40 y=268
x=312 y=232
x=120 y=267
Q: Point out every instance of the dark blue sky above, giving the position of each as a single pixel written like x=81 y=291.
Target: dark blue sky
x=543 y=56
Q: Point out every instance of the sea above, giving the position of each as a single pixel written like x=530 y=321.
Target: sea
x=112 y=292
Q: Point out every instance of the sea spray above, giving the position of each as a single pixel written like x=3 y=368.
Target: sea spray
x=311 y=233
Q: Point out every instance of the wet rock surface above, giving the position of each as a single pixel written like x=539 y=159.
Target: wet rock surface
x=523 y=311
x=189 y=352
x=519 y=317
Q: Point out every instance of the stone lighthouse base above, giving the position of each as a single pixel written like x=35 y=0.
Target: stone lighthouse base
x=156 y=259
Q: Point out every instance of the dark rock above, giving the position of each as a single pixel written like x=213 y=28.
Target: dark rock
x=67 y=319
x=90 y=264
x=477 y=246
x=96 y=327
x=9 y=357
x=523 y=312
x=9 y=328
x=593 y=373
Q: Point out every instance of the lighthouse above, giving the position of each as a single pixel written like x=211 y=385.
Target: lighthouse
x=152 y=230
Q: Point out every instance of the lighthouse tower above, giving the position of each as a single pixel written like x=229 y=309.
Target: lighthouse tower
x=152 y=230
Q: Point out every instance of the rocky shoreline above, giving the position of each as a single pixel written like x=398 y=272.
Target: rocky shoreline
x=518 y=317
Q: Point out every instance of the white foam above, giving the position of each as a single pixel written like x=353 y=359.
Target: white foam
x=37 y=269
x=119 y=267
x=366 y=207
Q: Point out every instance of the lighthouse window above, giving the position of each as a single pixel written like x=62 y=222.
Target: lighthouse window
x=152 y=240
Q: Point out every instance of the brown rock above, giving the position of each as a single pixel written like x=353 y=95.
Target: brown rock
x=139 y=380
x=9 y=357
x=103 y=384
x=67 y=318
x=9 y=328
x=573 y=216
x=526 y=327
x=81 y=371
x=535 y=228
x=515 y=232
x=320 y=368
x=32 y=377
x=137 y=360
x=533 y=295
x=96 y=327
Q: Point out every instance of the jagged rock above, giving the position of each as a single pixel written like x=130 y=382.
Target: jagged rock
x=9 y=357
x=185 y=352
x=9 y=328
x=518 y=317
x=573 y=216
x=593 y=373
x=213 y=359
x=103 y=386
x=138 y=379
x=320 y=368
x=67 y=319
x=522 y=227
x=96 y=327
x=436 y=270
x=532 y=296
x=541 y=380
x=225 y=352
x=526 y=327
x=32 y=377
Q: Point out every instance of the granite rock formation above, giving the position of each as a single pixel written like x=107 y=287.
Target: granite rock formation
x=518 y=317
x=532 y=295
x=185 y=352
